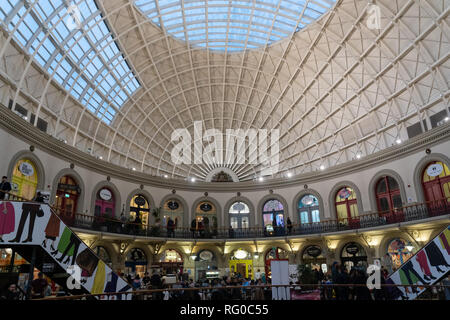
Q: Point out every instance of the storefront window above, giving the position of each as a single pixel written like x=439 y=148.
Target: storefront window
x=67 y=196
x=308 y=209
x=241 y=263
x=388 y=195
x=171 y=262
x=346 y=205
x=25 y=179
x=274 y=253
x=5 y=261
x=398 y=252
x=313 y=256
x=206 y=265
x=173 y=209
x=136 y=262
x=436 y=183
x=239 y=215
x=139 y=209
x=353 y=255
x=273 y=215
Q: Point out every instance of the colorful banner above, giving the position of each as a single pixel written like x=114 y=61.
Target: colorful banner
x=427 y=266
x=27 y=223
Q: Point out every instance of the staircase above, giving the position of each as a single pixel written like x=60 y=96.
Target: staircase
x=35 y=232
x=428 y=266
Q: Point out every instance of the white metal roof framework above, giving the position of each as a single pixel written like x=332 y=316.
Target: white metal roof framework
x=338 y=89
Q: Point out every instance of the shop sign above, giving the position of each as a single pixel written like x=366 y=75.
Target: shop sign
x=345 y=193
x=240 y=254
x=68 y=187
x=352 y=249
x=26 y=169
x=48 y=267
x=173 y=205
x=140 y=201
x=206 y=255
x=314 y=251
x=105 y=194
x=435 y=169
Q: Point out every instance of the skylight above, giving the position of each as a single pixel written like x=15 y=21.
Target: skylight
x=233 y=25
x=79 y=50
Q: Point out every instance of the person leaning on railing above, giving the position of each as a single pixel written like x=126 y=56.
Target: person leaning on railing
x=5 y=186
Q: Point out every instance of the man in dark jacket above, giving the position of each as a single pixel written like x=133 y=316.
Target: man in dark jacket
x=156 y=283
x=5 y=186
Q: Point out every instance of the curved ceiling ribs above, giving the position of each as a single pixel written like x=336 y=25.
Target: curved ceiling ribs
x=334 y=89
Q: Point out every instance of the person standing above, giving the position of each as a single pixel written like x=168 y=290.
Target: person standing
x=11 y=293
x=38 y=286
x=5 y=186
x=289 y=225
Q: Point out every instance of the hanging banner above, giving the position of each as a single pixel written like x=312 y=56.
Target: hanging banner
x=26 y=169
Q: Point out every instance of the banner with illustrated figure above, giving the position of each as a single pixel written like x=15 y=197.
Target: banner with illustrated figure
x=427 y=266
x=27 y=223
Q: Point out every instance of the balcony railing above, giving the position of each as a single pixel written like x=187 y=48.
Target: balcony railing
x=413 y=212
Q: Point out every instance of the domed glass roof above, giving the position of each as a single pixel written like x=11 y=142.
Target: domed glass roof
x=233 y=25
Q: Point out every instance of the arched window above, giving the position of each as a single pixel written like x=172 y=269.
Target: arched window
x=308 y=209
x=239 y=215
x=273 y=215
x=105 y=203
x=398 y=252
x=136 y=262
x=436 y=184
x=388 y=194
x=173 y=209
x=139 y=209
x=346 y=205
x=24 y=179
x=206 y=216
x=67 y=196
x=103 y=254
x=353 y=255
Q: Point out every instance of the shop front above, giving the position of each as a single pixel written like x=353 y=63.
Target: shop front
x=241 y=264
x=24 y=179
x=67 y=196
x=313 y=257
x=353 y=255
x=171 y=262
x=206 y=266
x=136 y=262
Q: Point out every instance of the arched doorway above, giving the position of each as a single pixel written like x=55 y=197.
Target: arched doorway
x=346 y=207
x=308 y=209
x=104 y=203
x=206 y=265
x=24 y=179
x=241 y=263
x=139 y=211
x=313 y=256
x=103 y=254
x=66 y=198
x=173 y=209
x=136 y=262
x=239 y=214
x=436 y=186
x=275 y=253
x=171 y=262
x=273 y=218
x=353 y=255
x=206 y=219
x=389 y=200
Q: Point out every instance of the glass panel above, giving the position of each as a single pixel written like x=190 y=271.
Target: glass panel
x=267 y=218
x=280 y=220
x=234 y=221
x=393 y=185
x=345 y=193
x=315 y=216
x=239 y=207
x=304 y=217
x=308 y=201
x=245 y=222
x=273 y=205
x=397 y=200
x=384 y=204
x=381 y=186
x=341 y=211
x=354 y=210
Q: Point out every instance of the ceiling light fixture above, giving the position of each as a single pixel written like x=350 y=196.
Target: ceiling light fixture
x=322 y=167
x=398 y=141
x=260 y=179
x=193 y=179
x=358 y=156
x=289 y=174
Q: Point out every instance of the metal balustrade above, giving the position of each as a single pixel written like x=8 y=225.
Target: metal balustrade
x=408 y=213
